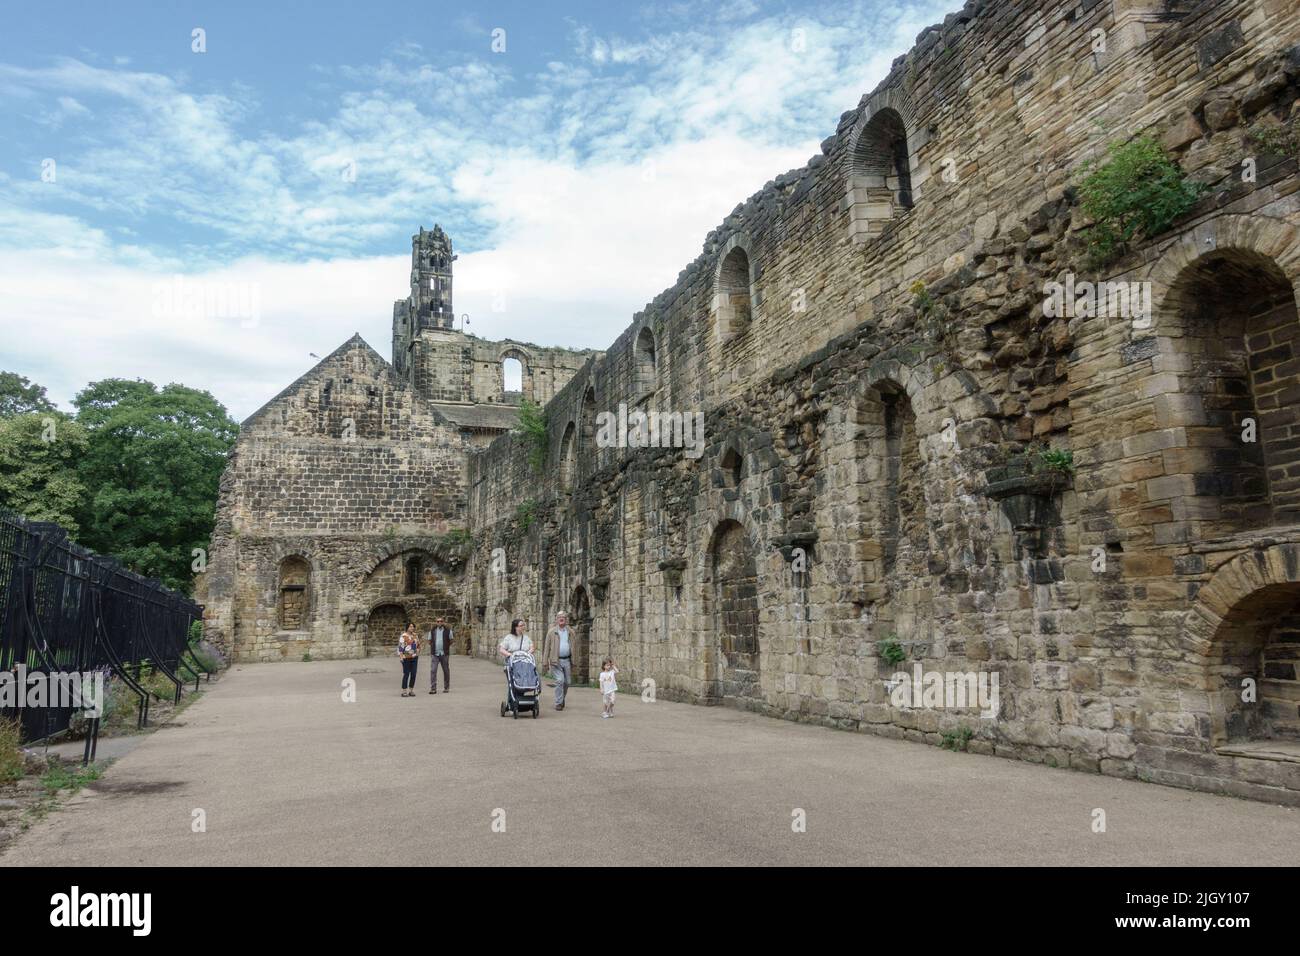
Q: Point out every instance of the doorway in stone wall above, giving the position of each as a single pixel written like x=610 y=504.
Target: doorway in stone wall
x=580 y=624
x=731 y=597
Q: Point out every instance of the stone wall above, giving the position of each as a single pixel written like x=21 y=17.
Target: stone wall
x=343 y=494
x=882 y=398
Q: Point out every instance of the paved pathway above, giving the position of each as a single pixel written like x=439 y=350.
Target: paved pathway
x=289 y=774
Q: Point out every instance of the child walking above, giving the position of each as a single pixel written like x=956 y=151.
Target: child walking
x=608 y=686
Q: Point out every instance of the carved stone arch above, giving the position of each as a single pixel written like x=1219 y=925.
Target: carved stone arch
x=735 y=288
x=1265 y=237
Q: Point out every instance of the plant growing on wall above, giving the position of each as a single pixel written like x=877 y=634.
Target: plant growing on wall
x=890 y=650
x=532 y=425
x=1135 y=194
x=526 y=513
x=956 y=739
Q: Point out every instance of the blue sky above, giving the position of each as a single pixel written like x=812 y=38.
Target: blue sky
x=577 y=170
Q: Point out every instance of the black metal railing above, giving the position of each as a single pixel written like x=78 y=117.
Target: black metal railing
x=64 y=610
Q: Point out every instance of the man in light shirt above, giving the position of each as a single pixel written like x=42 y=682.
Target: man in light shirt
x=440 y=638
x=557 y=657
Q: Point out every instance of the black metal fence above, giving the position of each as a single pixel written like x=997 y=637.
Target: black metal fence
x=66 y=611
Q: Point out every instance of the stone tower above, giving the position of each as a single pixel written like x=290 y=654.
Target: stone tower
x=429 y=305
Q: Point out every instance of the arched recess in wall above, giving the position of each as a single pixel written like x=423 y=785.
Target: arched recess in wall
x=1230 y=311
x=893 y=471
x=734 y=295
x=568 y=458
x=732 y=615
x=645 y=364
x=294 y=594
x=880 y=180
x=384 y=625
x=1245 y=625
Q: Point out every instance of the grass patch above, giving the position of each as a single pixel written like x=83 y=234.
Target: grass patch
x=11 y=753
x=69 y=777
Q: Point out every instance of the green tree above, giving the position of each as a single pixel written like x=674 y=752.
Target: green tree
x=18 y=396
x=39 y=456
x=153 y=465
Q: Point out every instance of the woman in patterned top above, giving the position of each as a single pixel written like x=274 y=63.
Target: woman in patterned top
x=408 y=649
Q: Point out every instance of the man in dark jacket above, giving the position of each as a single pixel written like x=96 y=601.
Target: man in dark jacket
x=439 y=639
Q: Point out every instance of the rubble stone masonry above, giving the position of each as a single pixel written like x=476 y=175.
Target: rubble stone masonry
x=887 y=409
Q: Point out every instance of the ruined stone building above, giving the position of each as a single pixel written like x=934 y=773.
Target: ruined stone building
x=913 y=462
x=342 y=511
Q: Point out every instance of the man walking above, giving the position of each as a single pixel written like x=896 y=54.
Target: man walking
x=557 y=657
x=440 y=645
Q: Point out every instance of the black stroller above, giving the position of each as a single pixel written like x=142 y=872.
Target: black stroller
x=523 y=685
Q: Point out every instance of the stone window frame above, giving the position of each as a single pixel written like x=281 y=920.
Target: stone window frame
x=871 y=200
x=732 y=318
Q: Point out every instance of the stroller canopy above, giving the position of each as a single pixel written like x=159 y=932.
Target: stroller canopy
x=523 y=670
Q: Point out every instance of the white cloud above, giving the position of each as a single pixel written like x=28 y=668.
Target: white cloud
x=582 y=190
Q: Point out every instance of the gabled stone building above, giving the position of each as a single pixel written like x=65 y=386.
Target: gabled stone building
x=917 y=465
x=342 y=510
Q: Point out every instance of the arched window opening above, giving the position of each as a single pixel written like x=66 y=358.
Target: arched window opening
x=880 y=182
x=512 y=377
x=568 y=458
x=644 y=361
x=414 y=570
x=899 y=519
x=733 y=465
x=733 y=300
x=294 y=596
x=589 y=421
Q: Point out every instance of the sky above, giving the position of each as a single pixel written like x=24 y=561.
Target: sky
x=216 y=207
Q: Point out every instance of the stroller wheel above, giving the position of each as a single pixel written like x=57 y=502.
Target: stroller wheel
x=503 y=709
x=516 y=710
x=535 y=710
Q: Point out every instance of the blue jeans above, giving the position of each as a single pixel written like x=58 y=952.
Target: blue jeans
x=408 y=672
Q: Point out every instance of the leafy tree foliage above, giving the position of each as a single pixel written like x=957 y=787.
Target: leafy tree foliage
x=39 y=455
x=152 y=466
x=18 y=396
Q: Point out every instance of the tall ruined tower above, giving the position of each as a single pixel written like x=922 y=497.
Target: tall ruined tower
x=429 y=305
